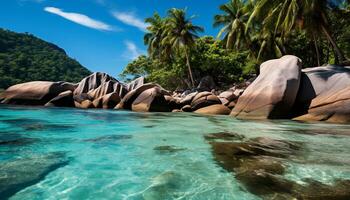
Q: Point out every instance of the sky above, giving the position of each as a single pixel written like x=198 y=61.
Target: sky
x=103 y=35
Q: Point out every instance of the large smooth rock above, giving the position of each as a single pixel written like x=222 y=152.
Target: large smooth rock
x=108 y=101
x=135 y=83
x=324 y=94
x=227 y=96
x=64 y=99
x=99 y=84
x=152 y=100
x=273 y=93
x=204 y=99
x=35 y=92
x=130 y=97
x=331 y=107
x=217 y=109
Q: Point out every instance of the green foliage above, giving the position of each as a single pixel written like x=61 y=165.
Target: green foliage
x=251 y=32
x=208 y=58
x=24 y=58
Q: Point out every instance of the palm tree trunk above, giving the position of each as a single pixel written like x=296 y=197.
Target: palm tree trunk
x=189 y=66
x=337 y=50
x=317 y=51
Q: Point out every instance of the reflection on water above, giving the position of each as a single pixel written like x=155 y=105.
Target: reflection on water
x=98 y=154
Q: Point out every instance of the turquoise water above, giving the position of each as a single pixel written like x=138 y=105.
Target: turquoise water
x=100 y=154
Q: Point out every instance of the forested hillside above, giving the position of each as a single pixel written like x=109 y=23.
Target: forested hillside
x=24 y=57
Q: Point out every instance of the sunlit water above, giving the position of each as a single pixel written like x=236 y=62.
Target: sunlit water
x=99 y=154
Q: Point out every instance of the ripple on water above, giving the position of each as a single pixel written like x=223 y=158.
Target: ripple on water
x=125 y=155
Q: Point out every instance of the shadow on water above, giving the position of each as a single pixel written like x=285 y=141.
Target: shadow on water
x=15 y=175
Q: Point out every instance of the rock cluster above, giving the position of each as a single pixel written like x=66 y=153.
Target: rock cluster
x=283 y=90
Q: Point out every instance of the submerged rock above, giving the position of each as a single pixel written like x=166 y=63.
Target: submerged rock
x=167 y=185
x=15 y=175
x=226 y=136
x=259 y=165
x=109 y=138
x=13 y=139
x=272 y=94
x=168 y=149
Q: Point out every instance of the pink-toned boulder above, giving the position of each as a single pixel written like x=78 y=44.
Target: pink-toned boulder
x=331 y=107
x=64 y=99
x=204 y=99
x=151 y=100
x=324 y=94
x=99 y=84
x=227 y=96
x=217 y=109
x=131 y=96
x=108 y=101
x=34 y=93
x=84 y=104
x=273 y=92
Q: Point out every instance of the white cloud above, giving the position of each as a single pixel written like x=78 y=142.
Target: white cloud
x=130 y=19
x=80 y=19
x=132 y=51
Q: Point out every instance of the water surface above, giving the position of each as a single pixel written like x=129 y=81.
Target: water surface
x=99 y=154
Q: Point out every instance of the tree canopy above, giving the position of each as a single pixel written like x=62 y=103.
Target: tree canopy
x=250 y=32
x=24 y=57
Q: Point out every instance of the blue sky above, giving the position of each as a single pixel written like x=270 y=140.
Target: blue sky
x=103 y=35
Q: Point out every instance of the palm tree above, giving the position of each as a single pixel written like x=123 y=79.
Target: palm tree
x=154 y=36
x=181 y=34
x=309 y=15
x=236 y=14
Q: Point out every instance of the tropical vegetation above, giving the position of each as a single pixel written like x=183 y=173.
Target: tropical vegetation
x=24 y=57
x=250 y=32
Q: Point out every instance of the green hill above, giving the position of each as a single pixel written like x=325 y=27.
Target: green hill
x=24 y=57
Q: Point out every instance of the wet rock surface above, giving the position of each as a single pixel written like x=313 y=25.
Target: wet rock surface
x=20 y=173
x=259 y=164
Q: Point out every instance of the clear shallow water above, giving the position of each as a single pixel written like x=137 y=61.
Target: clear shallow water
x=99 y=154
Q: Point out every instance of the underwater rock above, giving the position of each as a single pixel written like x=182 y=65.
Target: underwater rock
x=168 y=149
x=37 y=125
x=258 y=164
x=15 y=175
x=167 y=185
x=109 y=138
x=13 y=139
x=226 y=136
